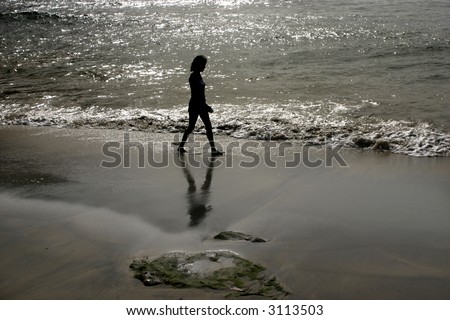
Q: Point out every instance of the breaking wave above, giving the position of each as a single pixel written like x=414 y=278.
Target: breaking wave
x=324 y=123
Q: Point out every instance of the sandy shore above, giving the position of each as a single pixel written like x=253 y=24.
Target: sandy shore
x=69 y=228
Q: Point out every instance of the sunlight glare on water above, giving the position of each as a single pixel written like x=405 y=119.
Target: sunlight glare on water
x=379 y=61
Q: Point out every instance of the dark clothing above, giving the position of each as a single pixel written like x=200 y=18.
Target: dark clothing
x=197 y=103
x=198 y=107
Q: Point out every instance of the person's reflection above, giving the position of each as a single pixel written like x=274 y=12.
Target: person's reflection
x=198 y=206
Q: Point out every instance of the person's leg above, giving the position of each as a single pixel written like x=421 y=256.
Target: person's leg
x=209 y=133
x=192 y=120
x=208 y=126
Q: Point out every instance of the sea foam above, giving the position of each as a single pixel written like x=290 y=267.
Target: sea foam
x=321 y=123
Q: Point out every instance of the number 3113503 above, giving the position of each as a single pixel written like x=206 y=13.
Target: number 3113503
x=295 y=310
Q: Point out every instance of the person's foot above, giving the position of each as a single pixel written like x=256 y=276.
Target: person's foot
x=181 y=150
x=215 y=152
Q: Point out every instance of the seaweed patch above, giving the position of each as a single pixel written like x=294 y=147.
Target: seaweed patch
x=219 y=270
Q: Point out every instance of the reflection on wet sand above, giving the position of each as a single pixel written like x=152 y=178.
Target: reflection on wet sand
x=375 y=230
x=198 y=200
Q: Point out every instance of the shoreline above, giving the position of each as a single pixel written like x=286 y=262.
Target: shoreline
x=376 y=229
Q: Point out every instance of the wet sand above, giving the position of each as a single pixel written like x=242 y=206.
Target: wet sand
x=69 y=228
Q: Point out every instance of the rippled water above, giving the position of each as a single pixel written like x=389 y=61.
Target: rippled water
x=314 y=71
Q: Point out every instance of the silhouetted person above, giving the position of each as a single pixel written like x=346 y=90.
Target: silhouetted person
x=198 y=200
x=198 y=106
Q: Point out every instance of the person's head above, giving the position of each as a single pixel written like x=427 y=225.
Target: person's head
x=199 y=63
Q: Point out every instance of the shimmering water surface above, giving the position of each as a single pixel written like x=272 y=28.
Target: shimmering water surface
x=314 y=71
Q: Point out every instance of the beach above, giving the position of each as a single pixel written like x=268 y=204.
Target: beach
x=333 y=116
x=374 y=228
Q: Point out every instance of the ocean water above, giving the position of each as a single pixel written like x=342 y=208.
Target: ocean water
x=319 y=72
